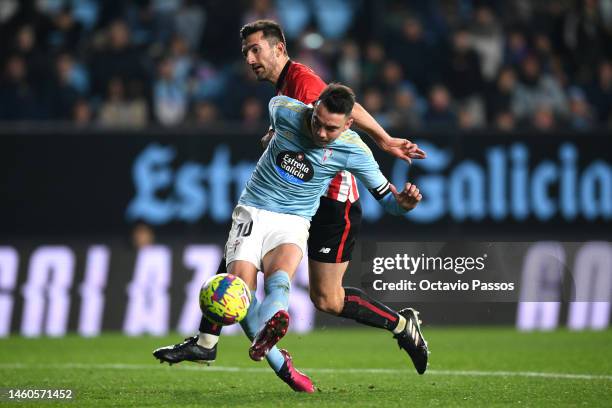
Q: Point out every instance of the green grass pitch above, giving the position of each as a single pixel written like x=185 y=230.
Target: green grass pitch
x=351 y=367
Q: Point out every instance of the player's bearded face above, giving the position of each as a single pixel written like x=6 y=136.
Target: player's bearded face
x=327 y=126
x=260 y=55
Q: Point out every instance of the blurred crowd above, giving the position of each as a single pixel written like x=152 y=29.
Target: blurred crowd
x=420 y=64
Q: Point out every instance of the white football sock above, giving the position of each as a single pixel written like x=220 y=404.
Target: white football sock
x=401 y=325
x=207 y=340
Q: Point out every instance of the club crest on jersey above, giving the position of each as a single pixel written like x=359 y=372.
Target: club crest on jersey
x=327 y=153
x=294 y=167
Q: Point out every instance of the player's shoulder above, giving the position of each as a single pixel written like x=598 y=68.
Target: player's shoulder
x=351 y=141
x=287 y=113
x=300 y=75
x=282 y=101
x=300 y=70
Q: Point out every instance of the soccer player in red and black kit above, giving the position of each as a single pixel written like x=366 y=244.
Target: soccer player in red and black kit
x=333 y=229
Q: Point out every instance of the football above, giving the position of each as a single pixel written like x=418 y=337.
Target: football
x=225 y=299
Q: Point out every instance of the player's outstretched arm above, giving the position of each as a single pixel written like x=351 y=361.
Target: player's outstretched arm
x=363 y=165
x=400 y=148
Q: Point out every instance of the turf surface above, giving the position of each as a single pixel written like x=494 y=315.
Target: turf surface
x=468 y=367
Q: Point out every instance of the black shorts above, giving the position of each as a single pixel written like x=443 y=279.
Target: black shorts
x=333 y=230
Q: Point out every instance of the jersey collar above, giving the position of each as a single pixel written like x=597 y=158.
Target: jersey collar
x=281 y=78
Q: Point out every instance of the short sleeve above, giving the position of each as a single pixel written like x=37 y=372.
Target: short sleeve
x=362 y=164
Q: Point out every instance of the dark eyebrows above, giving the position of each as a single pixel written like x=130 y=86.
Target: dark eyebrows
x=246 y=49
x=319 y=123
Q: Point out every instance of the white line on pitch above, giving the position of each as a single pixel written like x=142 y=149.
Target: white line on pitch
x=468 y=373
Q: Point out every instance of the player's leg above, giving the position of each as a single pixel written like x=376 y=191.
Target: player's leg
x=262 y=238
x=252 y=322
x=280 y=265
x=193 y=349
x=333 y=233
x=201 y=348
x=283 y=247
x=279 y=360
x=209 y=331
x=332 y=238
x=328 y=295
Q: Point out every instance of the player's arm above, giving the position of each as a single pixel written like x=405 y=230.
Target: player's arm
x=363 y=165
x=265 y=140
x=400 y=148
x=307 y=87
x=394 y=202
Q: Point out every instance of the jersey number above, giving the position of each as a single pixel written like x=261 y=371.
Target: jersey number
x=244 y=230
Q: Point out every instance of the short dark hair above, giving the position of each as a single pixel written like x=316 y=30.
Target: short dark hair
x=338 y=98
x=272 y=31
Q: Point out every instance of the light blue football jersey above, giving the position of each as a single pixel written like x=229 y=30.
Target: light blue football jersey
x=293 y=173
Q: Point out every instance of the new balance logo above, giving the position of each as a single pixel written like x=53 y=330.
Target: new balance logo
x=324 y=250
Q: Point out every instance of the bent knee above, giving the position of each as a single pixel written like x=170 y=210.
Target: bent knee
x=328 y=304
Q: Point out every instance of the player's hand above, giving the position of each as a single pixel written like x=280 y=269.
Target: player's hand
x=265 y=141
x=409 y=198
x=402 y=149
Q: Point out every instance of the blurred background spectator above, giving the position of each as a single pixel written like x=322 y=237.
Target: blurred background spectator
x=120 y=109
x=440 y=113
x=443 y=64
x=142 y=236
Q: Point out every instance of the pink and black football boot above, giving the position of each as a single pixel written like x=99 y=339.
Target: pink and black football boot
x=297 y=380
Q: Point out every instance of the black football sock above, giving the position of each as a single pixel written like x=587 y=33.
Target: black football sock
x=208 y=327
x=365 y=310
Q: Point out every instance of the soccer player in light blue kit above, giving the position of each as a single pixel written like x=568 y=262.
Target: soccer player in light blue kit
x=270 y=223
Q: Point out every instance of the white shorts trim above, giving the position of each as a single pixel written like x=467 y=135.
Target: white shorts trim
x=255 y=232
